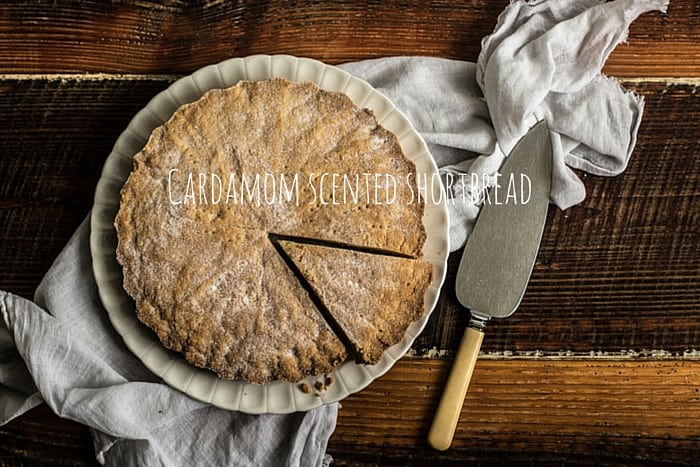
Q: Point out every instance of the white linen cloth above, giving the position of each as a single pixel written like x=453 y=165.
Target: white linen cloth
x=543 y=61
x=62 y=348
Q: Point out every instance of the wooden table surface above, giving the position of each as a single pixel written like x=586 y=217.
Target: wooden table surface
x=600 y=365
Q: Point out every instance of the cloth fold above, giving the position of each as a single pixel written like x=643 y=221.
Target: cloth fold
x=542 y=62
x=62 y=349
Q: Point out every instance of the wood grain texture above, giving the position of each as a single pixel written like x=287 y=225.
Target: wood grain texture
x=54 y=137
x=132 y=36
x=41 y=438
x=525 y=411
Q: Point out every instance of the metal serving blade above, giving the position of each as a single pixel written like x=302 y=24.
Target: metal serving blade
x=497 y=262
x=501 y=251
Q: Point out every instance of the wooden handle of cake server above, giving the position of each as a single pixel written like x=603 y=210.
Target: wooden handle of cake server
x=447 y=415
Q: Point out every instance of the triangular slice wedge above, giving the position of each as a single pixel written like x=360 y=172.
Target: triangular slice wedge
x=372 y=298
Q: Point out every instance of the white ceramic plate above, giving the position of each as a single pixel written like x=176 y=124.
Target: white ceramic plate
x=203 y=385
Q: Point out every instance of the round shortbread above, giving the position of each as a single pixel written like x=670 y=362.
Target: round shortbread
x=216 y=180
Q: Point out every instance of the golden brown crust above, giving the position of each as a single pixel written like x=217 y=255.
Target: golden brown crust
x=203 y=274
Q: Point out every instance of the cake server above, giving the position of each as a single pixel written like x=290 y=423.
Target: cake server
x=497 y=263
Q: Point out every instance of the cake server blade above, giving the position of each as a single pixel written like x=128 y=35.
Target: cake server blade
x=497 y=263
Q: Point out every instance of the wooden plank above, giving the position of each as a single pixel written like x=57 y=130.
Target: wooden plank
x=42 y=438
x=529 y=411
x=55 y=136
x=134 y=36
x=618 y=272
x=641 y=412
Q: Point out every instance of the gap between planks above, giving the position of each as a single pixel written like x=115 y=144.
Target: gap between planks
x=172 y=77
x=565 y=355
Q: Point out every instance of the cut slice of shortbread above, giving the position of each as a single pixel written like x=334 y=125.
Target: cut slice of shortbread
x=373 y=298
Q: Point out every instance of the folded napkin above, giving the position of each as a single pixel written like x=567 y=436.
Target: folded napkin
x=542 y=62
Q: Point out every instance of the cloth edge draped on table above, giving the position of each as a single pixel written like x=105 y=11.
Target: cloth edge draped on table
x=542 y=62
x=85 y=373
